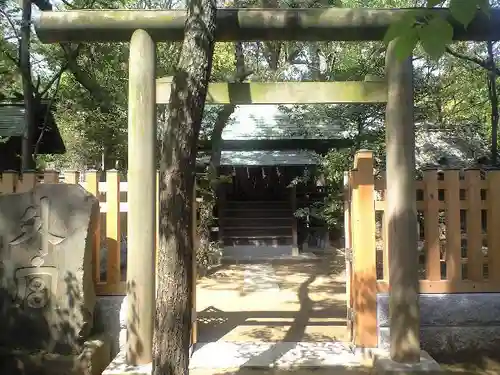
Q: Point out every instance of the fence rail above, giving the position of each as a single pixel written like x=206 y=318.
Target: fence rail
x=458 y=226
x=109 y=240
x=458 y=215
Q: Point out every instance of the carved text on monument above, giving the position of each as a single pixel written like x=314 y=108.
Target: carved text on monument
x=37 y=282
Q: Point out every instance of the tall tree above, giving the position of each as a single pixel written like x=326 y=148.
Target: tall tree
x=17 y=75
x=177 y=174
x=29 y=104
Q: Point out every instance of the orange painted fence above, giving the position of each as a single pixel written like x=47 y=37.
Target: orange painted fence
x=459 y=236
x=109 y=241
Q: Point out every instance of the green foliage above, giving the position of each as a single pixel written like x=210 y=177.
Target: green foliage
x=433 y=32
x=464 y=11
x=450 y=93
x=433 y=45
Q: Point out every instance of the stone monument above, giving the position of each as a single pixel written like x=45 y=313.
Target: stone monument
x=47 y=296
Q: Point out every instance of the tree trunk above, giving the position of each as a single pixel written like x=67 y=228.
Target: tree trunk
x=27 y=161
x=493 y=96
x=177 y=172
x=209 y=200
x=209 y=195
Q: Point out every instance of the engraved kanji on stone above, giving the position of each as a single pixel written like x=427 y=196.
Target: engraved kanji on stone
x=36 y=283
x=36 y=221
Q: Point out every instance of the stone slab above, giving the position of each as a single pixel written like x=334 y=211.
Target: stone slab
x=458 y=309
x=92 y=361
x=451 y=324
x=383 y=364
x=46 y=286
x=443 y=342
x=280 y=355
x=260 y=278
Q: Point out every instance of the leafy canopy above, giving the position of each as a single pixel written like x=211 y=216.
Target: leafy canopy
x=432 y=31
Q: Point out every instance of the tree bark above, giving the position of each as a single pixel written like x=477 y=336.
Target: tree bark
x=225 y=113
x=221 y=121
x=27 y=161
x=177 y=171
x=493 y=96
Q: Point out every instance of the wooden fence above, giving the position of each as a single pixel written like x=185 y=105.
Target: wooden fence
x=458 y=215
x=109 y=241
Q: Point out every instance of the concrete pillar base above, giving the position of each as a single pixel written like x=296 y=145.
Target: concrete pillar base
x=384 y=365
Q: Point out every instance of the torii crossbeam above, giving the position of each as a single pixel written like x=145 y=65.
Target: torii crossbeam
x=316 y=24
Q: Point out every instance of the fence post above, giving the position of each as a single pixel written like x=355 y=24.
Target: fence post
x=50 y=177
x=453 y=231
x=113 y=270
x=8 y=182
x=493 y=223
x=92 y=186
x=364 y=278
x=431 y=226
x=347 y=210
x=475 y=257
x=72 y=177
x=348 y=250
x=26 y=182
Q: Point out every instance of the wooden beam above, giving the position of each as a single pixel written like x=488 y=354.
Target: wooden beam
x=285 y=92
x=247 y=24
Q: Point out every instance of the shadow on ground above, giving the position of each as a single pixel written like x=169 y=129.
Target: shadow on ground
x=306 y=302
x=303 y=371
x=471 y=363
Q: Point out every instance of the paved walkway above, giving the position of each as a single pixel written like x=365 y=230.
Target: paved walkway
x=283 y=355
x=271 y=302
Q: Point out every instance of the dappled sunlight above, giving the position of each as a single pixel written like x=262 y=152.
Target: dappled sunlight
x=270 y=371
x=303 y=301
x=228 y=278
x=365 y=305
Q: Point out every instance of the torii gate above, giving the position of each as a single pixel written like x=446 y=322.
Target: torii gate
x=144 y=28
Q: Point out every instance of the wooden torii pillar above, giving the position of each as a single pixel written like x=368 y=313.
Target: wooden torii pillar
x=342 y=24
x=141 y=196
x=401 y=210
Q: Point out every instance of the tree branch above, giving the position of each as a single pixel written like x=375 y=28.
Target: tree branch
x=47 y=113
x=482 y=63
x=90 y=84
x=38 y=95
x=241 y=74
x=11 y=23
x=56 y=77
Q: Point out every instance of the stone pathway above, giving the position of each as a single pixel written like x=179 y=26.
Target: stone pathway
x=280 y=355
x=260 y=278
x=271 y=302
